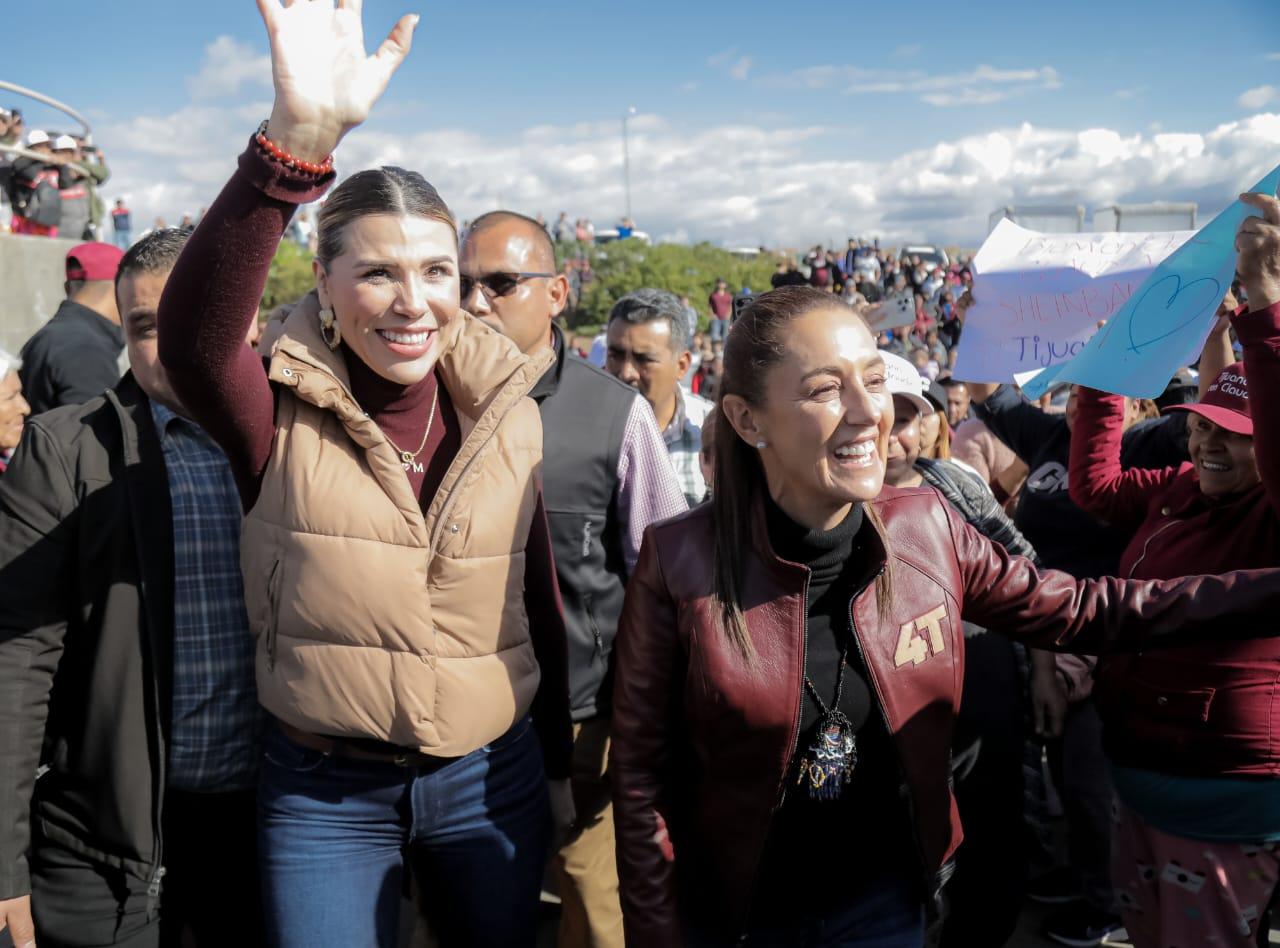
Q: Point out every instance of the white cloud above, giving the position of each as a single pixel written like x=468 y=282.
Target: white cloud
x=754 y=182
x=1273 y=57
x=982 y=85
x=228 y=65
x=1130 y=93
x=1258 y=97
x=728 y=60
x=722 y=58
x=907 y=50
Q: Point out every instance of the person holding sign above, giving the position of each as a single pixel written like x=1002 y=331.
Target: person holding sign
x=784 y=708
x=397 y=561
x=1189 y=732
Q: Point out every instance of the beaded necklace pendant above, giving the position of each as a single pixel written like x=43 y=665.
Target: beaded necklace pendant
x=827 y=766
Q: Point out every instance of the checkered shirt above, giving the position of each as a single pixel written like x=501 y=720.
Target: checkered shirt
x=683 y=438
x=216 y=728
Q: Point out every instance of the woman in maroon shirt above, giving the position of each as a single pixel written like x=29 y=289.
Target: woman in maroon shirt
x=338 y=810
x=1190 y=733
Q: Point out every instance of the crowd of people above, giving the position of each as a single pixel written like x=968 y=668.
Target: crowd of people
x=372 y=621
x=52 y=189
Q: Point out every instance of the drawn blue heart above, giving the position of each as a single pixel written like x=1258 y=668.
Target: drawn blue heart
x=1152 y=308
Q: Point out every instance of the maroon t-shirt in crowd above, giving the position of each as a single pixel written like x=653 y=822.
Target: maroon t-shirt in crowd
x=721 y=303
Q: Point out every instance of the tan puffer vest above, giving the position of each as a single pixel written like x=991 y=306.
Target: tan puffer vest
x=371 y=619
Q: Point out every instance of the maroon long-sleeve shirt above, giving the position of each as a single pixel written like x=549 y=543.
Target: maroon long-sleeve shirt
x=1203 y=710
x=209 y=302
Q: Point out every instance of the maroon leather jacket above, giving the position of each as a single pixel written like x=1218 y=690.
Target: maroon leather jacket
x=702 y=740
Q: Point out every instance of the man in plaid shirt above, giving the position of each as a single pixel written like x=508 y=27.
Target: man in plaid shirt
x=129 y=724
x=649 y=342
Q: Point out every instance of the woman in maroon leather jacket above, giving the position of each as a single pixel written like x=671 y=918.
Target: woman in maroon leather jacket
x=784 y=708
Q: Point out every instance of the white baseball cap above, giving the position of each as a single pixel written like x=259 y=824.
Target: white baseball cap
x=37 y=137
x=901 y=378
x=64 y=143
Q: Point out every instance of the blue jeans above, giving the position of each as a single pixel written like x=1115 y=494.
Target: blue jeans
x=335 y=834
x=719 y=328
x=885 y=913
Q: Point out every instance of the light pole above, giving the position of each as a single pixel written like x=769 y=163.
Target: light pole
x=626 y=158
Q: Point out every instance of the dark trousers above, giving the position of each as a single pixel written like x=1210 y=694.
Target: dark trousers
x=210 y=888
x=985 y=894
x=1086 y=799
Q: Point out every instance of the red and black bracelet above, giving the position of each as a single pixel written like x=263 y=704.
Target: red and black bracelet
x=288 y=160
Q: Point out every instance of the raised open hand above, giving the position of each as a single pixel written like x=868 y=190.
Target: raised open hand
x=325 y=83
x=1258 y=241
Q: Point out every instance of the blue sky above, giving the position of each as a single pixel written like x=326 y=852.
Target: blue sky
x=757 y=122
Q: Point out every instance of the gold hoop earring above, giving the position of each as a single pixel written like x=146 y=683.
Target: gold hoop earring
x=329 y=330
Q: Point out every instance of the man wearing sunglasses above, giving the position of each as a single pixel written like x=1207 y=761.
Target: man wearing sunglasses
x=606 y=477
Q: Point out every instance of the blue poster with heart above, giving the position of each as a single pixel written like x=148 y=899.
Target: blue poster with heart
x=1165 y=322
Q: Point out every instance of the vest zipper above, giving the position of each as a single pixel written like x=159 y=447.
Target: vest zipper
x=447 y=507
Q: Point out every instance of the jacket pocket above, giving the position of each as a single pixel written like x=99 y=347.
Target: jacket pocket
x=1162 y=706
x=273 y=612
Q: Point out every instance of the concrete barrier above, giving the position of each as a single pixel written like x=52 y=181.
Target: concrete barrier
x=32 y=274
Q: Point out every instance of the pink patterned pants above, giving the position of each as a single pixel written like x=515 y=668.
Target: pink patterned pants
x=1175 y=892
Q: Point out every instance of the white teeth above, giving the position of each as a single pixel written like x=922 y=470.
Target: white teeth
x=862 y=449
x=1214 y=466
x=404 y=338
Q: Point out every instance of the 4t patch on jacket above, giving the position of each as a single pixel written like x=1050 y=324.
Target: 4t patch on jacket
x=921 y=638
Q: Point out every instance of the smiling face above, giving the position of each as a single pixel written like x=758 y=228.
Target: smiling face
x=825 y=418
x=904 y=443
x=1224 y=460
x=392 y=289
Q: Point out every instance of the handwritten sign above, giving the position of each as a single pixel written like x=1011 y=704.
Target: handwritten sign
x=1039 y=297
x=1164 y=323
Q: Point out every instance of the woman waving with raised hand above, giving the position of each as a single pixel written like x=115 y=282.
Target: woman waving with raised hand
x=410 y=645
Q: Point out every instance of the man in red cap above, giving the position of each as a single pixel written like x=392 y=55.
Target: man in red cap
x=75 y=356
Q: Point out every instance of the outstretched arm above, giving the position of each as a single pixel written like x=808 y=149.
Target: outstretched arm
x=325 y=85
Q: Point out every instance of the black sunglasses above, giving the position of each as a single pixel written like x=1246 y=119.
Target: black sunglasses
x=496 y=284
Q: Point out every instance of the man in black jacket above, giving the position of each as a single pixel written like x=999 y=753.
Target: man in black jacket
x=128 y=718
x=75 y=356
x=606 y=476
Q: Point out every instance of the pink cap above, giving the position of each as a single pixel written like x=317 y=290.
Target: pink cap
x=1226 y=403
x=93 y=261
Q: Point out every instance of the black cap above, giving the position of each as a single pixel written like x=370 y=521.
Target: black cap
x=938 y=395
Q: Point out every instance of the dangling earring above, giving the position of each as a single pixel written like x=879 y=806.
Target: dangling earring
x=329 y=330
x=761 y=445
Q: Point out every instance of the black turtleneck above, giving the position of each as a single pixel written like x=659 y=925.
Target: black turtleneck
x=819 y=851
x=837 y=572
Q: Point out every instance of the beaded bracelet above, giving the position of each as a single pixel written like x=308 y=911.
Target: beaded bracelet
x=288 y=160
